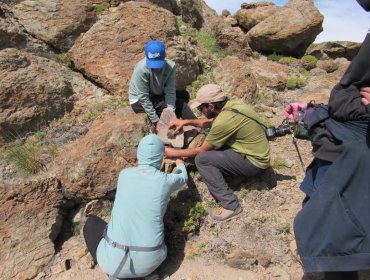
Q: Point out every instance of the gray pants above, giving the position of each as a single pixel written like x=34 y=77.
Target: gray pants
x=214 y=164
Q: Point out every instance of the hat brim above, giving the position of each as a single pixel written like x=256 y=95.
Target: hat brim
x=157 y=64
x=195 y=104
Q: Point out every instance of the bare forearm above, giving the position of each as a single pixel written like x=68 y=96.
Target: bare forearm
x=201 y=123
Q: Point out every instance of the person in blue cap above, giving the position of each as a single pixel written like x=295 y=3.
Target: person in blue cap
x=153 y=85
x=132 y=244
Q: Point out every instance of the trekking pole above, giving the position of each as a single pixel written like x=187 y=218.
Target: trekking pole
x=299 y=154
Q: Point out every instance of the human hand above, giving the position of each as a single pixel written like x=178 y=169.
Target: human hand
x=365 y=92
x=293 y=109
x=179 y=161
x=177 y=124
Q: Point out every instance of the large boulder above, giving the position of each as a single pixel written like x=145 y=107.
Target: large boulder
x=251 y=14
x=289 y=31
x=13 y=35
x=108 y=52
x=269 y=74
x=236 y=79
x=187 y=64
x=30 y=221
x=170 y=5
x=56 y=22
x=33 y=91
x=335 y=49
x=198 y=14
x=89 y=167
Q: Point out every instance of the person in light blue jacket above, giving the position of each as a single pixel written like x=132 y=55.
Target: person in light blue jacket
x=133 y=241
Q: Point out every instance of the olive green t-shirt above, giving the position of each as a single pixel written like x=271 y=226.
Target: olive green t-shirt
x=242 y=134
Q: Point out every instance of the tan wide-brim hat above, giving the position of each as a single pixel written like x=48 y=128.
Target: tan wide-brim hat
x=208 y=94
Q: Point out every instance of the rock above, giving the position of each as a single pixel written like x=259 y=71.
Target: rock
x=56 y=22
x=30 y=221
x=33 y=91
x=198 y=14
x=225 y=13
x=89 y=167
x=269 y=74
x=236 y=79
x=108 y=52
x=334 y=49
x=13 y=35
x=167 y=135
x=187 y=65
x=289 y=37
x=252 y=14
x=328 y=65
x=170 y=5
x=241 y=260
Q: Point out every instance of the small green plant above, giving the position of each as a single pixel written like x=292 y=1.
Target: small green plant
x=256 y=55
x=284 y=228
x=25 y=156
x=76 y=228
x=303 y=71
x=274 y=57
x=195 y=214
x=209 y=203
x=39 y=135
x=309 y=62
x=264 y=188
x=288 y=60
x=65 y=59
x=295 y=82
x=243 y=192
x=278 y=163
x=262 y=218
x=101 y=7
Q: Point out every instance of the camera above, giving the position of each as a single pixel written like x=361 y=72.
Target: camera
x=281 y=130
x=297 y=128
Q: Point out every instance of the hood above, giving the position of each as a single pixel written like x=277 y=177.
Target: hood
x=150 y=151
x=365 y=4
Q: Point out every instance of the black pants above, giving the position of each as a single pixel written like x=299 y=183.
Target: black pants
x=182 y=108
x=213 y=165
x=93 y=233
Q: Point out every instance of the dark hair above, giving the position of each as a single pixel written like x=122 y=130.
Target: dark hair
x=220 y=104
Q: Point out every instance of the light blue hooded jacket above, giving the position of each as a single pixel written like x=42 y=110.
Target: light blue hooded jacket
x=141 y=200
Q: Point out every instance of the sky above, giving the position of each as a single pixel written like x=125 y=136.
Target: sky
x=344 y=20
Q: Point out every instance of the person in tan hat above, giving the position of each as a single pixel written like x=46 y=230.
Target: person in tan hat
x=236 y=145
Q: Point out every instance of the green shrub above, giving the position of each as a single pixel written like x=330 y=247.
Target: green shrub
x=309 y=62
x=195 y=213
x=64 y=59
x=295 y=82
x=274 y=57
x=288 y=60
x=303 y=71
x=25 y=156
x=101 y=7
x=243 y=192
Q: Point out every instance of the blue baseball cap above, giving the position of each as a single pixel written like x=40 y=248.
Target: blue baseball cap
x=155 y=53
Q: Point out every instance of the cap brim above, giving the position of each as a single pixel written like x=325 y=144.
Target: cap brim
x=195 y=104
x=158 y=64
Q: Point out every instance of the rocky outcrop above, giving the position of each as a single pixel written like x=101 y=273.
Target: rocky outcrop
x=170 y=5
x=236 y=79
x=335 y=49
x=33 y=91
x=269 y=74
x=187 y=64
x=252 y=14
x=56 y=22
x=13 y=35
x=30 y=221
x=328 y=65
x=198 y=14
x=290 y=30
x=89 y=167
x=108 y=52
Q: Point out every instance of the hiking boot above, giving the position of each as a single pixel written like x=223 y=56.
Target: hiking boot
x=221 y=214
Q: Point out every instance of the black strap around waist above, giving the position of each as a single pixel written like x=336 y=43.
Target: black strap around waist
x=126 y=248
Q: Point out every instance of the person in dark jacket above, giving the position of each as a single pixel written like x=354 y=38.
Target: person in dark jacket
x=333 y=228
